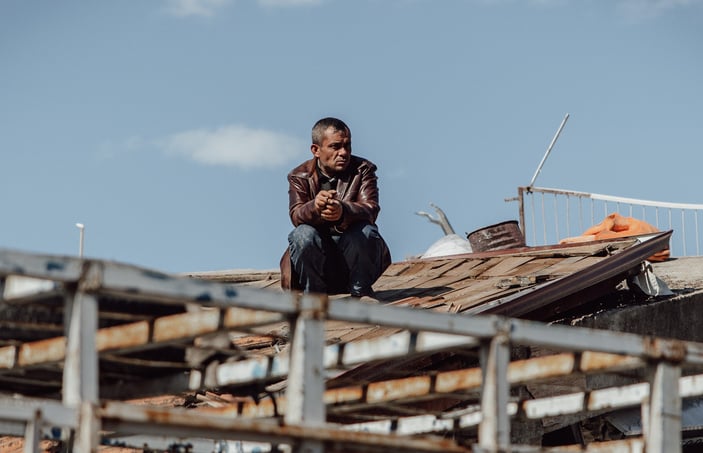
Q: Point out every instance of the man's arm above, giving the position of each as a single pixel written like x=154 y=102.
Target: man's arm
x=361 y=200
x=301 y=205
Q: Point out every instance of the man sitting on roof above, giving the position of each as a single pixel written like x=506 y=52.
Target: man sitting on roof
x=333 y=204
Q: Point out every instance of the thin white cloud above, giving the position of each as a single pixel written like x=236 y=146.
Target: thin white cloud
x=647 y=9
x=185 y=8
x=539 y=3
x=235 y=145
x=288 y=3
x=208 y=8
x=631 y=9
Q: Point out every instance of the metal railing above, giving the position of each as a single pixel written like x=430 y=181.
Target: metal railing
x=306 y=402
x=549 y=215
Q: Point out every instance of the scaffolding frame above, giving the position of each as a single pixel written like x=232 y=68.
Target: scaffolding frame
x=299 y=417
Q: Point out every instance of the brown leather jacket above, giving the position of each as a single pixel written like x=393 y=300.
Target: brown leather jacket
x=357 y=189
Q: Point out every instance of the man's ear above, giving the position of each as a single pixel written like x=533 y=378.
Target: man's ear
x=315 y=150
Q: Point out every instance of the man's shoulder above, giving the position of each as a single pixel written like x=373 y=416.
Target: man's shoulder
x=362 y=163
x=303 y=170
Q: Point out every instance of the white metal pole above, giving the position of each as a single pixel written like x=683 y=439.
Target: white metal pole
x=81 y=227
x=549 y=149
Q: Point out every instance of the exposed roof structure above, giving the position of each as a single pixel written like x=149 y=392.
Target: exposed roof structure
x=221 y=341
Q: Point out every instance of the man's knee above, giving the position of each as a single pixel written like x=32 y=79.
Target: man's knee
x=363 y=231
x=303 y=236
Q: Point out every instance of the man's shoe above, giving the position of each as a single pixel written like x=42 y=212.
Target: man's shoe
x=363 y=292
x=367 y=295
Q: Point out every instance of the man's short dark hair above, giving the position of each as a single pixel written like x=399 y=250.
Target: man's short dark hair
x=318 y=130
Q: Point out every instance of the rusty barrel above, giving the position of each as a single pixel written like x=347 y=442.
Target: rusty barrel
x=501 y=236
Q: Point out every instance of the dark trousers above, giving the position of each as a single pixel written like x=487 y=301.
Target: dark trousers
x=333 y=264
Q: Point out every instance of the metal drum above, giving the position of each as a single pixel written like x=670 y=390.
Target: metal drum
x=501 y=236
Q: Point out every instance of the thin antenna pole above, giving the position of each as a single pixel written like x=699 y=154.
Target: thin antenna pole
x=554 y=140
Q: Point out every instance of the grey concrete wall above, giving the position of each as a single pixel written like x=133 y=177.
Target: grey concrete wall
x=680 y=317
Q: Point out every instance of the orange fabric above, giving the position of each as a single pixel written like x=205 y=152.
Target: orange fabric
x=615 y=226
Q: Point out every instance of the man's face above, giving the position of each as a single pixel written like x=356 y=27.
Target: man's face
x=334 y=153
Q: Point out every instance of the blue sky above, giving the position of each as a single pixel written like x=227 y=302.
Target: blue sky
x=168 y=127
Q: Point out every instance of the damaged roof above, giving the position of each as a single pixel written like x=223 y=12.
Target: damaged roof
x=151 y=346
x=147 y=339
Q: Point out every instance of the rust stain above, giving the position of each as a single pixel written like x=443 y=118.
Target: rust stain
x=451 y=381
x=667 y=349
x=264 y=408
x=51 y=350
x=124 y=336
x=186 y=325
x=596 y=361
x=344 y=395
x=548 y=366
x=239 y=317
x=398 y=388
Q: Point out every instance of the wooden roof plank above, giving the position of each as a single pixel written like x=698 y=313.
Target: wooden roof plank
x=470 y=267
x=396 y=269
x=536 y=266
x=506 y=266
x=480 y=291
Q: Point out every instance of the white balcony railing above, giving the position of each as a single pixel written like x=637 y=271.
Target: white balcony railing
x=549 y=215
